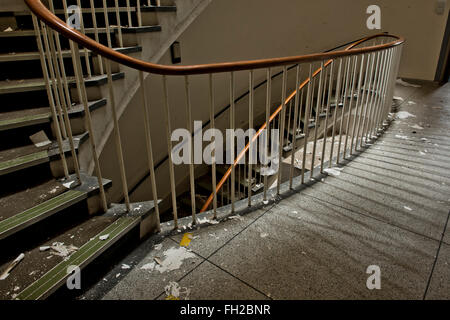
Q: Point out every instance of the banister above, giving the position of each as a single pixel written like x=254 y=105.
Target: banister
x=274 y=114
x=41 y=11
x=326 y=58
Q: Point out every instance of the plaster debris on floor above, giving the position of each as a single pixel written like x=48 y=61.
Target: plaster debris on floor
x=407 y=84
x=173 y=259
x=404 y=115
x=175 y=292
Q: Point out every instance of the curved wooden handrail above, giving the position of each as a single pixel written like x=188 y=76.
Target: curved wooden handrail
x=41 y=11
x=272 y=117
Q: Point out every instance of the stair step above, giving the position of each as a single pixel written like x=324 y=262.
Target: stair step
x=15 y=159
x=26 y=56
x=141 y=29
x=24 y=161
x=116 y=223
x=31 y=117
x=27 y=85
x=158 y=8
x=87 y=31
x=24 y=118
x=55 y=204
x=99 y=10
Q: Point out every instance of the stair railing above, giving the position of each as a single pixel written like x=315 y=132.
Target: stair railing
x=349 y=93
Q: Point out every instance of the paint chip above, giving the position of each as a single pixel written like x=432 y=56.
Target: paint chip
x=404 y=115
x=104 y=237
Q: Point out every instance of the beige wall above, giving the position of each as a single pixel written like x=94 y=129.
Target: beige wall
x=250 y=29
x=231 y=30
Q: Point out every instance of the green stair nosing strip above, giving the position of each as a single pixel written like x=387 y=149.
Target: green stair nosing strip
x=23 y=162
x=49 y=282
x=25 y=121
x=39 y=212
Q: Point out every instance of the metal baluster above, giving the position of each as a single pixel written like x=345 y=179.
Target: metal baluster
x=374 y=130
x=212 y=126
x=363 y=97
x=117 y=135
x=289 y=124
x=327 y=110
x=306 y=125
x=358 y=104
x=119 y=25
x=107 y=25
x=191 y=147
x=344 y=104
x=148 y=140
x=84 y=100
x=268 y=104
x=52 y=66
x=65 y=95
x=232 y=149
x=97 y=38
x=50 y=96
x=130 y=24
x=294 y=129
x=83 y=31
x=251 y=144
x=352 y=97
x=383 y=91
x=324 y=90
x=316 y=128
x=395 y=64
x=169 y=149
x=139 y=13
x=281 y=126
x=369 y=92
x=374 y=93
x=336 y=109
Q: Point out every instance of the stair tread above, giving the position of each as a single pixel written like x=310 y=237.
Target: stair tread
x=37 y=84
x=30 y=32
x=34 y=55
x=22 y=157
x=26 y=117
x=41 y=202
x=158 y=8
x=50 y=274
x=32 y=196
x=29 y=117
x=36 y=267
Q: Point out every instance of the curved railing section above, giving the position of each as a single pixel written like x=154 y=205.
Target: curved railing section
x=342 y=103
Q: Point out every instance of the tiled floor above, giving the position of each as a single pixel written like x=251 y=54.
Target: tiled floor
x=389 y=207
